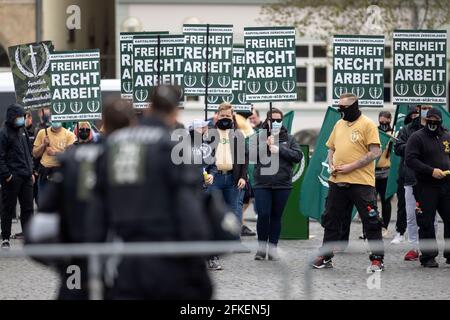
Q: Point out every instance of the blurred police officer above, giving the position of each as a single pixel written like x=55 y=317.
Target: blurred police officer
x=142 y=196
x=427 y=153
x=65 y=200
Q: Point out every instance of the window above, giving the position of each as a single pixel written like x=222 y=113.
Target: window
x=191 y=98
x=388 y=52
x=387 y=84
x=302 y=51
x=320 y=84
x=302 y=79
x=319 y=51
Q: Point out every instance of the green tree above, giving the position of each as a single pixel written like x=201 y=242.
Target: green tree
x=321 y=19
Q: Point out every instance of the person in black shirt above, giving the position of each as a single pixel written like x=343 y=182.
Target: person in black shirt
x=427 y=154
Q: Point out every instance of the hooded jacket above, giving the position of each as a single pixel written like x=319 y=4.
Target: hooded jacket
x=15 y=147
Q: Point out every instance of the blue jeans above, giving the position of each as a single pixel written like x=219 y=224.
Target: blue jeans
x=233 y=196
x=270 y=205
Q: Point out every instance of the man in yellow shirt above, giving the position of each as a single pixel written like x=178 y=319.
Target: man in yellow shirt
x=47 y=145
x=354 y=145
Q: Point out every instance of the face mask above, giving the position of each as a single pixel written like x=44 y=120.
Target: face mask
x=350 y=113
x=225 y=124
x=433 y=125
x=56 y=125
x=385 y=127
x=84 y=134
x=276 y=127
x=423 y=113
x=19 y=122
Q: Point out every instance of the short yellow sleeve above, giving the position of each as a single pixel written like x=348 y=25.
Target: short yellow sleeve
x=70 y=138
x=331 y=140
x=372 y=134
x=39 y=138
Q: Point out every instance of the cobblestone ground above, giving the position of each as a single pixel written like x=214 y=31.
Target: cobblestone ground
x=244 y=278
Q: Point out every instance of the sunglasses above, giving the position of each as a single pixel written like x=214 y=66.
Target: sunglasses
x=277 y=120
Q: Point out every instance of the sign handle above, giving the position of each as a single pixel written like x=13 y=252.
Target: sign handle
x=270 y=116
x=159 y=60
x=207 y=72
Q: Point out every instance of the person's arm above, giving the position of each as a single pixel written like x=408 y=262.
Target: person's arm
x=291 y=152
x=374 y=153
x=400 y=144
x=40 y=144
x=412 y=159
x=4 y=170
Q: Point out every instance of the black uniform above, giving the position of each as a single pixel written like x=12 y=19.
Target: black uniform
x=68 y=195
x=426 y=151
x=141 y=195
x=15 y=161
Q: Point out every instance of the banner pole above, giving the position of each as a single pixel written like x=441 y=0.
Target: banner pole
x=78 y=131
x=159 y=60
x=270 y=115
x=207 y=72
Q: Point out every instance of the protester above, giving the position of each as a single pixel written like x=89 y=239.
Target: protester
x=418 y=116
x=354 y=145
x=427 y=154
x=16 y=171
x=141 y=195
x=382 y=172
x=231 y=160
x=48 y=144
x=272 y=189
x=401 y=224
x=67 y=197
x=83 y=133
x=29 y=126
x=255 y=119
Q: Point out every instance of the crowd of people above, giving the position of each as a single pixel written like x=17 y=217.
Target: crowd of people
x=123 y=184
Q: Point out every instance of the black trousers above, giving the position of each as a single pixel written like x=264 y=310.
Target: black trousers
x=432 y=198
x=338 y=212
x=381 y=186
x=400 y=225
x=18 y=188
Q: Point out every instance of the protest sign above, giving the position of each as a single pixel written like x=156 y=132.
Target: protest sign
x=420 y=66
x=358 y=68
x=214 y=70
x=270 y=64
x=126 y=60
x=157 y=60
x=30 y=68
x=237 y=97
x=75 y=85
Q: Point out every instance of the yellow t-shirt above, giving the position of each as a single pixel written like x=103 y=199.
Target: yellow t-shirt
x=224 y=159
x=58 y=141
x=350 y=143
x=384 y=161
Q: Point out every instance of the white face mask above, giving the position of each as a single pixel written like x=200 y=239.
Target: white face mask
x=276 y=127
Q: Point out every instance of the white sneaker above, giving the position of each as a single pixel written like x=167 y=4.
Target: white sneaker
x=398 y=239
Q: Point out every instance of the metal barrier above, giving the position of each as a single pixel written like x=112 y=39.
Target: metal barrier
x=96 y=251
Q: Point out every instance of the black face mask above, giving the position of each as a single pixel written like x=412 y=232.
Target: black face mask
x=224 y=124
x=434 y=126
x=350 y=113
x=84 y=134
x=385 y=127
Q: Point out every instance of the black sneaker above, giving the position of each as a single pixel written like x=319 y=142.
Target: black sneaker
x=18 y=236
x=321 y=263
x=260 y=255
x=6 y=245
x=447 y=261
x=214 y=264
x=430 y=264
x=247 y=232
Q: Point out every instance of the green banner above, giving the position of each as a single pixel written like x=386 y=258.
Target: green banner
x=358 y=68
x=294 y=224
x=126 y=61
x=75 y=85
x=220 y=59
x=420 y=66
x=271 y=64
x=156 y=61
x=31 y=73
x=237 y=97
